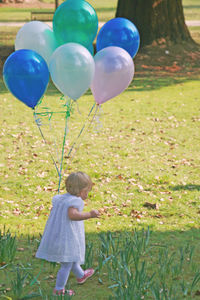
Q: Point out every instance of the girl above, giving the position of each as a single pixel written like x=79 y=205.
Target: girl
x=63 y=239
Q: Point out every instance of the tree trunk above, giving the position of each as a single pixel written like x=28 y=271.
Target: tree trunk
x=156 y=20
x=56 y=4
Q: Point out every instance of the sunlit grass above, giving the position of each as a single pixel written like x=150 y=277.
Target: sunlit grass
x=105 y=10
x=195 y=33
x=147 y=151
x=191 y=9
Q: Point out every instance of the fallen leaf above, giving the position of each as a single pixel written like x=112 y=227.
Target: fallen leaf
x=158 y=216
x=120 y=177
x=16 y=212
x=151 y=205
x=136 y=214
x=197 y=293
x=20 y=249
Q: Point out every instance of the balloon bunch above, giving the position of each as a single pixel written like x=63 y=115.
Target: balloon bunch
x=66 y=52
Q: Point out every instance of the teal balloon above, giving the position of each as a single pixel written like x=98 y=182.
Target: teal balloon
x=75 y=21
x=91 y=49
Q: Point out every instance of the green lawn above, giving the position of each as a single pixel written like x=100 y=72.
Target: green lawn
x=18 y=14
x=195 y=33
x=191 y=9
x=105 y=10
x=147 y=151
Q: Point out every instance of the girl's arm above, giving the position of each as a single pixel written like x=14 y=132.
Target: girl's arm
x=76 y=215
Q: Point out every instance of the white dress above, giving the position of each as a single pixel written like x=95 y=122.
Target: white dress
x=63 y=240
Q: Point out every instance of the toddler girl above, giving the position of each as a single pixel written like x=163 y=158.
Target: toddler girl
x=63 y=239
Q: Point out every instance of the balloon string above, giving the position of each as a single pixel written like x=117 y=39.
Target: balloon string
x=66 y=104
x=68 y=109
x=89 y=125
x=78 y=108
x=54 y=141
x=98 y=122
x=49 y=114
x=38 y=123
x=67 y=115
x=81 y=131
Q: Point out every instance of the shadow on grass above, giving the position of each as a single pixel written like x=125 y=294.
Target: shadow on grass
x=154 y=69
x=137 y=85
x=183 y=244
x=151 y=83
x=174 y=238
x=188 y=187
x=191 y=6
x=105 y=9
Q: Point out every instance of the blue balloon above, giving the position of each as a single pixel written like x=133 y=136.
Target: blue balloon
x=26 y=76
x=119 y=32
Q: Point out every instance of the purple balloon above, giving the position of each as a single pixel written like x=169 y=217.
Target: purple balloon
x=114 y=71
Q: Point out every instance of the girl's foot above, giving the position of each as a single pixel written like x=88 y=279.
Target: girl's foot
x=87 y=274
x=63 y=292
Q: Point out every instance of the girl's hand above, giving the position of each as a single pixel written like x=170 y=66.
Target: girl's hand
x=75 y=215
x=94 y=213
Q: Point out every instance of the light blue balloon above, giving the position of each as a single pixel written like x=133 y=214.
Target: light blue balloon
x=119 y=32
x=72 y=69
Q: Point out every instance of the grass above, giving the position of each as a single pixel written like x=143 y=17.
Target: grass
x=105 y=10
x=191 y=9
x=195 y=33
x=19 y=14
x=147 y=157
x=128 y=265
x=145 y=165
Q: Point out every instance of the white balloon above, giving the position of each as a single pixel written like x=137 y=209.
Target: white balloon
x=72 y=69
x=37 y=36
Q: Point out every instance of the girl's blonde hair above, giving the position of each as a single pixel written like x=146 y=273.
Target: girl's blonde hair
x=76 y=182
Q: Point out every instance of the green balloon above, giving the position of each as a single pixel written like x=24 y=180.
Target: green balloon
x=75 y=21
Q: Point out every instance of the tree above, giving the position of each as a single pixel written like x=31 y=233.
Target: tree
x=156 y=20
x=56 y=4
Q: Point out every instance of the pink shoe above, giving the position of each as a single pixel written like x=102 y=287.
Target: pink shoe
x=63 y=292
x=87 y=274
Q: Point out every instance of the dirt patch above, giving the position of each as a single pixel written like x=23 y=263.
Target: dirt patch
x=171 y=60
x=156 y=61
